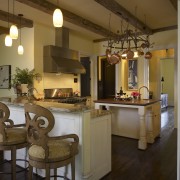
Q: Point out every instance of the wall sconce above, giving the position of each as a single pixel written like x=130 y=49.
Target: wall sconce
x=8 y=40
x=20 y=47
x=57 y=17
x=13 y=29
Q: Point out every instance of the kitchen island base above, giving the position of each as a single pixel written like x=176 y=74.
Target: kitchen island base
x=138 y=120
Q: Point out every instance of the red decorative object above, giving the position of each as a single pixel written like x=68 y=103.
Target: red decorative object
x=135 y=94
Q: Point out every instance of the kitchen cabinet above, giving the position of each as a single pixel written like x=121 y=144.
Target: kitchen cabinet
x=164 y=101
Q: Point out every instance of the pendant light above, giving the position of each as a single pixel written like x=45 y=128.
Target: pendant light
x=20 y=47
x=13 y=29
x=8 y=40
x=57 y=17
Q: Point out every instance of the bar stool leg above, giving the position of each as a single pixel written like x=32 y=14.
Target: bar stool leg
x=1 y=156
x=47 y=173
x=73 y=169
x=13 y=163
x=55 y=174
x=30 y=172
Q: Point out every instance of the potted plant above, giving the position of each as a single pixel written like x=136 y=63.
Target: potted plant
x=23 y=79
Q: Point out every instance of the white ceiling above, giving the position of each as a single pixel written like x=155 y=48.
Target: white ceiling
x=158 y=13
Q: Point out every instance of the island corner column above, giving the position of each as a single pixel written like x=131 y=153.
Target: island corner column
x=150 y=130
x=142 y=143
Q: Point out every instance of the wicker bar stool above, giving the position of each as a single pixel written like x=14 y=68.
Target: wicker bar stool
x=48 y=152
x=12 y=137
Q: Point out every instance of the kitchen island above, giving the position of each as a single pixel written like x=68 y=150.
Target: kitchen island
x=92 y=126
x=138 y=119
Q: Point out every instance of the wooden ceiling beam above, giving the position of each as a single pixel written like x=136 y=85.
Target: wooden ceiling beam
x=49 y=8
x=5 y=16
x=4 y=30
x=139 y=33
x=174 y=3
x=120 y=11
x=165 y=29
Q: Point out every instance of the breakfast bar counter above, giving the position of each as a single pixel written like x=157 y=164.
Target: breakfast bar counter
x=138 y=119
x=92 y=126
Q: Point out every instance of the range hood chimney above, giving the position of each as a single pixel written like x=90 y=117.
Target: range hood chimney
x=59 y=58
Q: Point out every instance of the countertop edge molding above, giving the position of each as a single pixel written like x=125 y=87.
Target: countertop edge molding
x=143 y=102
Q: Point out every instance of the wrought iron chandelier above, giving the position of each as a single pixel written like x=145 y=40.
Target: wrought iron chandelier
x=128 y=44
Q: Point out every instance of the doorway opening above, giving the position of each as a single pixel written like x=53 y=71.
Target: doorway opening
x=85 y=85
x=106 y=78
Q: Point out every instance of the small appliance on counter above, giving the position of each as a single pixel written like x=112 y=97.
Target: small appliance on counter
x=63 y=95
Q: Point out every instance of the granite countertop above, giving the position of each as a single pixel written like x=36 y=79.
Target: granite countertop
x=141 y=102
x=98 y=112
x=53 y=106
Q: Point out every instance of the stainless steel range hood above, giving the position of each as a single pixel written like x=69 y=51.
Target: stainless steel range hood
x=59 y=58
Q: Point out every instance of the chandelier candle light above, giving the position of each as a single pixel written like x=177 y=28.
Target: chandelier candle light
x=57 y=17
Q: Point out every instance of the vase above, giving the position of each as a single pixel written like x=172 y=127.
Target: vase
x=24 y=88
x=135 y=97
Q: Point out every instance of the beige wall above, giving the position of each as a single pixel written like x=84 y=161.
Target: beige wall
x=167 y=71
x=9 y=55
x=160 y=66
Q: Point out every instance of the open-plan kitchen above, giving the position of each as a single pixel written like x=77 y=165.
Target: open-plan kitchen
x=83 y=88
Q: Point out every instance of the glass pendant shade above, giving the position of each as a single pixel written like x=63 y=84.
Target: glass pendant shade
x=14 y=32
x=20 y=50
x=8 y=41
x=57 y=18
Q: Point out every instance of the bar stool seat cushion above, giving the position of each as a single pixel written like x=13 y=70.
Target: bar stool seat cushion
x=14 y=136
x=58 y=150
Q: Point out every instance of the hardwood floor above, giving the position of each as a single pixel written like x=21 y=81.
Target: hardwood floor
x=158 y=162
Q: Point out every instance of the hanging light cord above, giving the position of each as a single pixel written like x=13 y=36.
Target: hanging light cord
x=20 y=29
x=13 y=10
x=8 y=13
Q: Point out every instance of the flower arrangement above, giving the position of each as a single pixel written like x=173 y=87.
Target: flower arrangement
x=135 y=94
